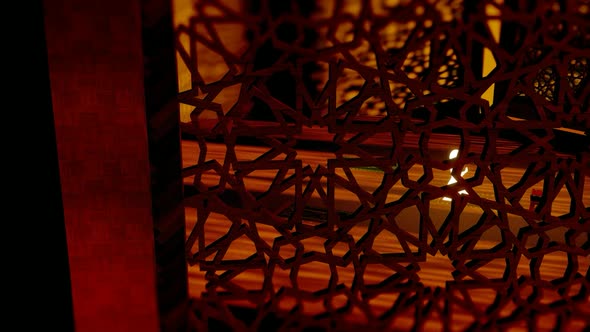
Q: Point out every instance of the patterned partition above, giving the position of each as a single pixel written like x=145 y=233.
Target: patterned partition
x=400 y=165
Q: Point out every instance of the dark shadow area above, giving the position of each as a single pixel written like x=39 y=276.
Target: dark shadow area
x=37 y=265
x=51 y=220
x=282 y=84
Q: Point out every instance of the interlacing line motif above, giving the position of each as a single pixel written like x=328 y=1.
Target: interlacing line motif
x=359 y=234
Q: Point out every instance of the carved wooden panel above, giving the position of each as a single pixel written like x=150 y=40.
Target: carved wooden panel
x=401 y=165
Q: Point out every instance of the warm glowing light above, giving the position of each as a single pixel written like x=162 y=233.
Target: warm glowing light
x=489 y=63
x=454 y=153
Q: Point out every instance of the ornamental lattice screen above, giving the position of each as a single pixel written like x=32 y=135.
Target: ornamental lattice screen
x=396 y=165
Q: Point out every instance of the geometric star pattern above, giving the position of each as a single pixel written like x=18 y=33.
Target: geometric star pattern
x=366 y=230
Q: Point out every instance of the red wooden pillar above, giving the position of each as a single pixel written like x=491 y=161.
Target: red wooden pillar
x=119 y=186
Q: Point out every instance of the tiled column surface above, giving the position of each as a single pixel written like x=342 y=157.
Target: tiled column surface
x=117 y=192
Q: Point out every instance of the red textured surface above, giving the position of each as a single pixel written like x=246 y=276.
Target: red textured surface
x=546 y=64
x=96 y=72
